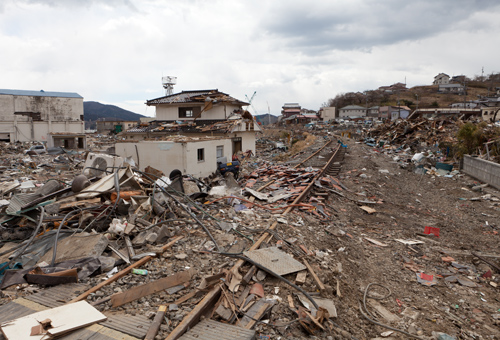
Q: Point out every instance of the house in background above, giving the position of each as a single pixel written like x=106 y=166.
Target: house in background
x=458 y=79
x=107 y=125
x=352 y=111
x=451 y=88
x=54 y=118
x=394 y=88
x=373 y=111
x=290 y=109
x=327 y=114
x=441 y=78
x=394 y=112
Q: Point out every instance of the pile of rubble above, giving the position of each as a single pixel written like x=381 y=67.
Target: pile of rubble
x=142 y=243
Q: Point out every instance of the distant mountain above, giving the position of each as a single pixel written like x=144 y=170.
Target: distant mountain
x=92 y=111
x=266 y=119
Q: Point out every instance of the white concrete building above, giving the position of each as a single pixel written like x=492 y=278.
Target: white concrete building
x=352 y=111
x=55 y=118
x=193 y=156
x=327 y=113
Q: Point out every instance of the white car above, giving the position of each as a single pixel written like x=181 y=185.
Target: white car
x=39 y=149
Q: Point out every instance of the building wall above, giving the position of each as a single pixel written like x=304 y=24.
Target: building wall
x=167 y=156
x=107 y=126
x=483 y=170
x=442 y=79
x=488 y=113
x=38 y=131
x=50 y=108
x=328 y=113
x=352 y=113
x=57 y=114
x=218 y=111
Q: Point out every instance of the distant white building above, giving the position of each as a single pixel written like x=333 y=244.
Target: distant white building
x=352 y=111
x=441 y=78
x=55 y=118
x=327 y=113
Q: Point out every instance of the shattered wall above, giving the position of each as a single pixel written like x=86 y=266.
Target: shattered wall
x=168 y=155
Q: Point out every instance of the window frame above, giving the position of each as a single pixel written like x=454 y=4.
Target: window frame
x=200 y=155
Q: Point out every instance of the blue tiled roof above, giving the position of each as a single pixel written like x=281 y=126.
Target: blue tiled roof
x=40 y=93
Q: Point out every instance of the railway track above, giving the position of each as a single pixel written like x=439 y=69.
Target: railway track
x=331 y=159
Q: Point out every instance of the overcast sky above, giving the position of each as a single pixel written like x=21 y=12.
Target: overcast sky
x=116 y=51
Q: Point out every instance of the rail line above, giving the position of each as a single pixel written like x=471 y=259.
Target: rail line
x=210 y=299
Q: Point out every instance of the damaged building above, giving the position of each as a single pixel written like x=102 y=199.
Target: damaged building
x=210 y=120
x=55 y=118
x=196 y=156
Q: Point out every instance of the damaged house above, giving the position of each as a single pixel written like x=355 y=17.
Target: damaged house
x=55 y=118
x=213 y=120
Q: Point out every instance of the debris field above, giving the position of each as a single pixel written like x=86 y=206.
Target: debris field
x=355 y=239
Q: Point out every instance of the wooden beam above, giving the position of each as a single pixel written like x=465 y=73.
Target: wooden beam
x=320 y=284
x=155 y=326
x=194 y=316
x=138 y=292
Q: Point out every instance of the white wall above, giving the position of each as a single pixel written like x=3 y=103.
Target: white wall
x=328 y=113
x=53 y=108
x=167 y=156
x=38 y=131
x=352 y=113
x=218 y=111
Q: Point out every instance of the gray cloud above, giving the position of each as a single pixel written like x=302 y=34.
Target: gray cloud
x=72 y=3
x=364 y=25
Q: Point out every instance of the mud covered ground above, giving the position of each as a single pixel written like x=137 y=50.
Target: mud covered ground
x=461 y=303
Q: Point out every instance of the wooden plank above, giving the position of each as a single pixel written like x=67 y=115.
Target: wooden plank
x=123 y=272
x=256 y=312
x=194 y=316
x=155 y=326
x=135 y=293
x=79 y=203
x=301 y=277
x=320 y=284
x=63 y=319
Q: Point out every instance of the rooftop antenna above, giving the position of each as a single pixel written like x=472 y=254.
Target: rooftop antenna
x=168 y=83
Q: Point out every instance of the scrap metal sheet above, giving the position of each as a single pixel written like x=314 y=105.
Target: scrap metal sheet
x=213 y=330
x=276 y=260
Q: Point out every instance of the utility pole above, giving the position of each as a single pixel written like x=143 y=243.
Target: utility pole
x=416 y=95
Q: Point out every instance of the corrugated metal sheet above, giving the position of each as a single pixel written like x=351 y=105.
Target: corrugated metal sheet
x=18 y=201
x=213 y=330
x=136 y=326
x=58 y=295
x=40 y=93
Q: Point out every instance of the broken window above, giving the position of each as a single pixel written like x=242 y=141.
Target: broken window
x=188 y=112
x=220 y=151
x=201 y=155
